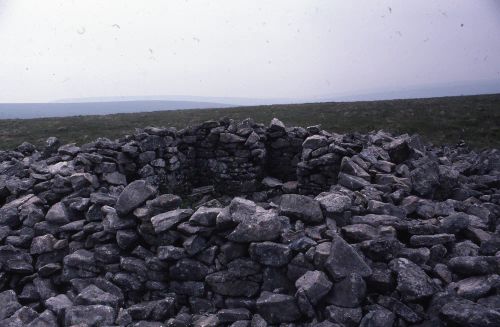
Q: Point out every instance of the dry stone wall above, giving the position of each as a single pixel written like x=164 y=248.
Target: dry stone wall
x=241 y=224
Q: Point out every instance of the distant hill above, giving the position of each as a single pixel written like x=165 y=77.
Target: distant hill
x=41 y=110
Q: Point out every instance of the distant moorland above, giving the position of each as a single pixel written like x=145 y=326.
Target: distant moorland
x=445 y=120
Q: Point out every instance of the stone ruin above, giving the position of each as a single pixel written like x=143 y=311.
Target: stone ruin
x=240 y=224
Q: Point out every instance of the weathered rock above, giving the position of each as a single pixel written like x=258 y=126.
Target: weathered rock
x=344 y=260
x=315 y=285
x=413 y=282
x=349 y=292
x=301 y=207
x=165 y=221
x=134 y=195
x=467 y=313
x=270 y=254
x=349 y=317
x=277 y=308
x=92 y=315
x=378 y=318
x=470 y=265
x=258 y=227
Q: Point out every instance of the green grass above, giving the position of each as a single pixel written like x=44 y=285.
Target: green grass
x=475 y=119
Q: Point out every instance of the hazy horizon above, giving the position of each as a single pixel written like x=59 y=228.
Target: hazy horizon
x=289 y=49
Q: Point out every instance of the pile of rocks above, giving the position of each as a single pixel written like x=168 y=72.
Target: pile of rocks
x=368 y=230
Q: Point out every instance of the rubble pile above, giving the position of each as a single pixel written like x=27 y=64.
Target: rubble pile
x=239 y=224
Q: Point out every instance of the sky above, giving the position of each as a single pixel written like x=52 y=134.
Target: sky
x=57 y=49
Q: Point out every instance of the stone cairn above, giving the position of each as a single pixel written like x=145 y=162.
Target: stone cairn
x=238 y=224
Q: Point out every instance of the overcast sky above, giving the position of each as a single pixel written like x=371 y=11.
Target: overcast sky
x=55 y=49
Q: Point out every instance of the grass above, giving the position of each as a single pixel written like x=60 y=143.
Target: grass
x=446 y=120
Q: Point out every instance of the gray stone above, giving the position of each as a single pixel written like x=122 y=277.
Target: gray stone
x=92 y=315
x=344 y=260
x=413 y=282
x=277 y=308
x=58 y=214
x=334 y=203
x=470 y=265
x=315 y=284
x=430 y=240
x=378 y=318
x=348 y=317
x=165 y=221
x=454 y=223
x=270 y=254
x=134 y=195
x=230 y=284
x=8 y=299
x=349 y=292
x=205 y=216
x=352 y=182
x=467 y=313
x=258 y=227
x=475 y=287
x=93 y=295
x=301 y=207
x=58 y=303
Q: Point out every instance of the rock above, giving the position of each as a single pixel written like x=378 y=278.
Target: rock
x=349 y=292
x=430 y=240
x=134 y=195
x=470 y=265
x=9 y=304
x=344 y=260
x=115 y=178
x=352 y=182
x=92 y=315
x=170 y=252
x=93 y=295
x=425 y=179
x=378 y=318
x=475 y=287
x=42 y=244
x=165 y=221
x=58 y=303
x=301 y=207
x=314 y=142
x=454 y=223
x=359 y=232
x=233 y=314
x=270 y=254
x=230 y=284
x=400 y=309
x=315 y=285
x=277 y=308
x=467 y=313
x=205 y=216
x=58 y=214
x=413 y=282
x=349 y=317
x=258 y=227
x=398 y=150
x=333 y=203
x=188 y=269
x=272 y=182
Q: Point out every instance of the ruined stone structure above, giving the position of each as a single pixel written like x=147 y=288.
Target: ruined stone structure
x=241 y=224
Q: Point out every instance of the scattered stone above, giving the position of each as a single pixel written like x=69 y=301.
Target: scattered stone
x=246 y=225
